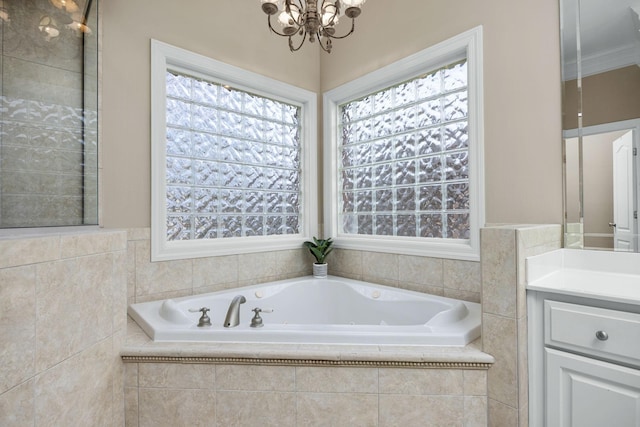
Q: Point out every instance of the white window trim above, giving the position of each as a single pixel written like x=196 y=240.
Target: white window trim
x=468 y=44
x=164 y=57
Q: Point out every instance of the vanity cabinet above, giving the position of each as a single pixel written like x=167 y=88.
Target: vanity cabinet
x=584 y=358
x=584 y=392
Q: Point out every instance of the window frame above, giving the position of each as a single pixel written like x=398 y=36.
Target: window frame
x=166 y=57
x=467 y=44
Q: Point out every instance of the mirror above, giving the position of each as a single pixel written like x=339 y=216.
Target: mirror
x=600 y=45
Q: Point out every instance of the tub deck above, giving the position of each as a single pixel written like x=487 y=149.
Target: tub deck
x=140 y=348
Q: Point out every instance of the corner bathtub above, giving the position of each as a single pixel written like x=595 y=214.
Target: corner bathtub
x=307 y=310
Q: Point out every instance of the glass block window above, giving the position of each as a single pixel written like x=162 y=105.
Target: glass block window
x=403 y=158
x=233 y=162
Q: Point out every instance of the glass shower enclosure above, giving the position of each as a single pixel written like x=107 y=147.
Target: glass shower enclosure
x=48 y=113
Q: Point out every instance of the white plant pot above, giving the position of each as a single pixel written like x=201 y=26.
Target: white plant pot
x=320 y=270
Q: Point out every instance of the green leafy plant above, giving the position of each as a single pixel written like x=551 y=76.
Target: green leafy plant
x=319 y=248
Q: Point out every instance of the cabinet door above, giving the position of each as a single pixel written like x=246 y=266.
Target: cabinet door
x=583 y=392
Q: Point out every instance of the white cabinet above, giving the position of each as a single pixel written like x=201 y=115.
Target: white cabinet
x=584 y=362
x=585 y=392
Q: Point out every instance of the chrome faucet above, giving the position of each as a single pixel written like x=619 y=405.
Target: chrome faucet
x=233 y=314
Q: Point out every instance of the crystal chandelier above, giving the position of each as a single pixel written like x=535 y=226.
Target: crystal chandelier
x=315 y=19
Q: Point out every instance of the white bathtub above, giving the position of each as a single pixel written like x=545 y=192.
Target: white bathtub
x=307 y=310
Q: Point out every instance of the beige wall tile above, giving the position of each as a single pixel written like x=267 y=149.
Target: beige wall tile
x=249 y=377
x=475 y=411
x=78 y=391
x=533 y=241
x=523 y=416
x=498 y=261
x=294 y=263
x=337 y=409
x=337 y=380
x=17 y=325
x=433 y=290
x=158 y=407
x=131 y=406
x=158 y=277
x=163 y=295
x=499 y=337
x=215 y=271
x=131 y=374
x=244 y=408
x=16 y=406
x=139 y=233
x=118 y=377
x=17 y=252
x=346 y=263
x=462 y=275
x=539 y=235
x=381 y=267
x=475 y=382
x=421 y=381
x=433 y=411
x=131 y=271
x=463 y=295
x=176 y=375
x=120 y=300
x=74 y=302
x=76 y=245
x=523 y=359
x=29 y=81
x=501 y=415
x=419 y=270
x=256 y=268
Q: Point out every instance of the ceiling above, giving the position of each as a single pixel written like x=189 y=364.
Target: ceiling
x=609 y=35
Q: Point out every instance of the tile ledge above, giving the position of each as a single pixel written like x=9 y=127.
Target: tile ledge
x=140 y=349
x=40 y=232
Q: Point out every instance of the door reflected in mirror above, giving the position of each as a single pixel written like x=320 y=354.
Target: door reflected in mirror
x=600 y=44
x=604 y=214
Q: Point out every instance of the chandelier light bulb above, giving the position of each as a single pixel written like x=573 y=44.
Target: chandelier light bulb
x=48 y=28
x=4 y=13
x=79 y=28
x=285 y=19
x=69 y=6
x=329 y=16
x=353 y=3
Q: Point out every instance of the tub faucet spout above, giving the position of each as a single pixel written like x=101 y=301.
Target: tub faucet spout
x=233 y=314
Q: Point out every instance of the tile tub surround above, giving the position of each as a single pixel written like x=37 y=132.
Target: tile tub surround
x=498 y=280
x=149 y=281
x=298 y=385
x=62 y=325
x=504 y=323
x=232 y=395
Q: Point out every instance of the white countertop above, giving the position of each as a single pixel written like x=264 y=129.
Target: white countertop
x=609 y=276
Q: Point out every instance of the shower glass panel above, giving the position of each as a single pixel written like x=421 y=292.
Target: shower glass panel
x=48 y=113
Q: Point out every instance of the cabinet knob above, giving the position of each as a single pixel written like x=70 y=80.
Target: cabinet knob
x=602 y=335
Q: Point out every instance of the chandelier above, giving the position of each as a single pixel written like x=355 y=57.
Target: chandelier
x=315 y=19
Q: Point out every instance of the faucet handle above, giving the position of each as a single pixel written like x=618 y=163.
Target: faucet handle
x=256 y=322
x=204 y=319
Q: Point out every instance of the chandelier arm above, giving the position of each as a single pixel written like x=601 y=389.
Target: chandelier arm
x=301 y=11
x=302 y=39
x=276 y=31
x=353 y=27
x=322 y=44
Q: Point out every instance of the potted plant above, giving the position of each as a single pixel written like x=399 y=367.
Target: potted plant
x=319 y=248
